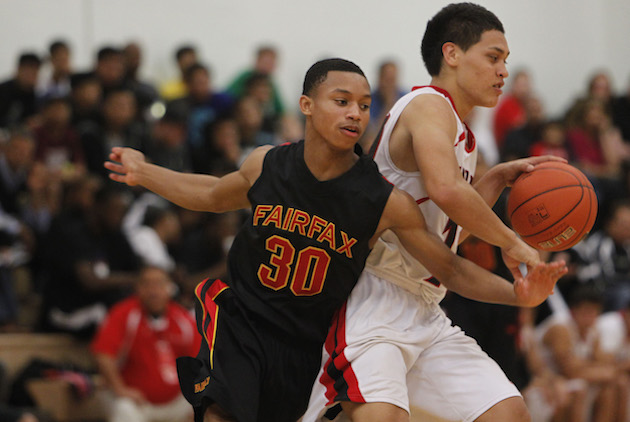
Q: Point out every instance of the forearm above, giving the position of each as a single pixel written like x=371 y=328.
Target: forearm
x=187 y=190
x=470 y=210
x=490 y=186
x=475 y=283
x=108 y=369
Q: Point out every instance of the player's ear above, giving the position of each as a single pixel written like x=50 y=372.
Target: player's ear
x=306 y=105
x=450 y=52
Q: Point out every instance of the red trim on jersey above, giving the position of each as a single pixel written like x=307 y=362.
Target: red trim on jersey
x=441 y=91
x=471 y=142
x=461 y=138
x=421 y=200
x=335 y=346
x=210 y=310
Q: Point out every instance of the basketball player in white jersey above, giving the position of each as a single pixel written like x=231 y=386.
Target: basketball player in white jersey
x=392 y=352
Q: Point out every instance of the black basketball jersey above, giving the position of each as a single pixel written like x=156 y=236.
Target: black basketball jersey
x=296 y=259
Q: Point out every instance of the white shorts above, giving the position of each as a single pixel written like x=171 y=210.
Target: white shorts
x=388 y=345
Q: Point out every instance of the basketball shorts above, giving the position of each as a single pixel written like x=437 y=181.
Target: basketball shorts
x=250 y=373
x=388 y=345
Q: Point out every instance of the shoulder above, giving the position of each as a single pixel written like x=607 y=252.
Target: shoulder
x=428 y=107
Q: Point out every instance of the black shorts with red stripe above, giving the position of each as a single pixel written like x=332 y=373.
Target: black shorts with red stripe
x=250 y=372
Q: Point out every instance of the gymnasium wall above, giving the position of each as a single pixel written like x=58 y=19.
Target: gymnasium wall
x=561 y=42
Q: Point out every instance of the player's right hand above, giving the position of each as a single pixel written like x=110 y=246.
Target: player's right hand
x=124 y=165
x=520 y=252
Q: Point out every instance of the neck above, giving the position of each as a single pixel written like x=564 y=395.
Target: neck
x=462 y=105
x=325 y=162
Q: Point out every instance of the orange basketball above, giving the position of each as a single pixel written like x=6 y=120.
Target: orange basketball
x=552 y=207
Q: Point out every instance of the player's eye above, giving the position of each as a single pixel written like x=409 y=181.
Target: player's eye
x=341 y=101
x=365 y=107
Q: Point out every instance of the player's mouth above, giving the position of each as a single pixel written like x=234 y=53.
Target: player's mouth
x=497 y=87
x=351 y=130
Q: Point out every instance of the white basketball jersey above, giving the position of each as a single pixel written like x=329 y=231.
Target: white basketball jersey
x=389 y=259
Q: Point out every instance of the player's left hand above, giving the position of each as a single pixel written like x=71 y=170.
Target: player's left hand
x=539 y=283
x=510 y=170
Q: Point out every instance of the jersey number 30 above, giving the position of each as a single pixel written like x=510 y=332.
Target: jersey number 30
x=306 y=272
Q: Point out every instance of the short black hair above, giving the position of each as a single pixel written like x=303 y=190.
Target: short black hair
x=57 y=45
x=459 y=23
x=184 y=49
x=585 y=293
x=318 y=72
x=108 y=52
x=194 y=68
x=29 y=59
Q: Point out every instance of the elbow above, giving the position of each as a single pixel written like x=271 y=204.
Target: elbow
x=443 y=194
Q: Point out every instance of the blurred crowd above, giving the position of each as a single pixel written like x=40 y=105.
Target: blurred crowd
x=73 y=243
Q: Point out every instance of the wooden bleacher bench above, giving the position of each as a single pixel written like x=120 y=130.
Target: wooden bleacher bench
x=54 y=396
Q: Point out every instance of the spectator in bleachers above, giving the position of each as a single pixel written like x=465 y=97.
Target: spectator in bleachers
x=145 y=92
x=158 y=232
x=94 y=268
x=552 y=140
x=604 y=257
x=386 y=92
x=167 y=145
x=595 y=144
x=17 y=155
x=54 y=77
x=202 y=253
x=85 y=98
x=510 y=112
x=58 y=144
x=109 y=69
x=118 y=127
x=265 y=63
x=223 y=152
x=13 y=254
x=258 y=87
x=249 y=118
x=621 y=113
x=185 y=56
x=597 y=149
x=202 y=105
x=519 y=140
x=18 y=101
x=570 y=345
x=136 y=347
x=599 y=88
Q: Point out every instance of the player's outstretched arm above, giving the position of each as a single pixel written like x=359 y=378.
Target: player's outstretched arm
x=402 y=216
x=197 y=192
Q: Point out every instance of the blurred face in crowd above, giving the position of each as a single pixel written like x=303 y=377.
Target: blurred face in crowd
x=57 y=114
x=388 y=78
x=619 y=226
x=87 y=95
x=553 y=135
x=599 y=87
x=111 y=69
x=585 y=314
x=266 y=62
x=60 y=61
x=27 y=75
x=199 y=85
x=20 y=152
x=185 y=60
x=154 y=290
x=119 y=108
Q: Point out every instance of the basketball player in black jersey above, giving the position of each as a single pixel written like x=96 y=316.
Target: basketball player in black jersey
x=317 y=207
